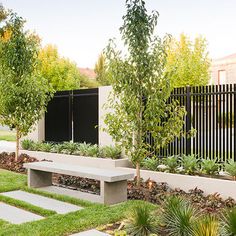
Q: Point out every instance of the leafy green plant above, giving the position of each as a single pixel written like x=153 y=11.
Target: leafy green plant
x=172 y=163
x=229 y=222
x=230 y=168
x=70 y=147
x=141 y=221
x=110 y=152
x=57 y=148
x=151 y=163
x=209 y=167
x=207 y=226
x=178 y=217
x=190 y=164
x=26 y=144
x=44 y=147
x=86 y=149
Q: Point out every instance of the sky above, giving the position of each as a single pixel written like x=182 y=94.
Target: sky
x=81 y=28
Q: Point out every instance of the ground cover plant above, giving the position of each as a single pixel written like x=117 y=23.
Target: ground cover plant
x=82 y=149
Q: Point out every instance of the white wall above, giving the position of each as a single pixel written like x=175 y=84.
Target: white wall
x=103 y=137
x=38 y=133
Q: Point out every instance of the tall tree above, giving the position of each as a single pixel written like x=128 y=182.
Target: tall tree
x=60 y=72
x=141 y=87
x=101 y=71
x=23 y=93
x=188 y=61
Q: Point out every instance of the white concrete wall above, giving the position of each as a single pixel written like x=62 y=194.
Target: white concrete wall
x=38 y=133
x=104 y=138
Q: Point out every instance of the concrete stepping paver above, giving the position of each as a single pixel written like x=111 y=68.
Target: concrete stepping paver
x=15 y=215
x=43 y=202
x=92 y=232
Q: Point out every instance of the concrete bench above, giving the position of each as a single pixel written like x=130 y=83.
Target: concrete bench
x=113 y=183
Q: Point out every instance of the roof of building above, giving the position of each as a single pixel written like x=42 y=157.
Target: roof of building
x=230 y=59
x=88 y=72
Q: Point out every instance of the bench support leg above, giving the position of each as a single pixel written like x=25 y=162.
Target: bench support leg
x=114 y=192
x=37 y=178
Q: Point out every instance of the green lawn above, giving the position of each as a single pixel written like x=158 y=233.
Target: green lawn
x=7 y=135
x=92 y=216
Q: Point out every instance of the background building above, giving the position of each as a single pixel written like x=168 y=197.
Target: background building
x=223 y=70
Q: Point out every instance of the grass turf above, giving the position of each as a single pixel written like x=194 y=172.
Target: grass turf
x=92 y=216
x=7 y=135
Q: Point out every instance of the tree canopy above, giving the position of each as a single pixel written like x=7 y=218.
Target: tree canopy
x=188 y=62
x=23 y=92
x=141 y=87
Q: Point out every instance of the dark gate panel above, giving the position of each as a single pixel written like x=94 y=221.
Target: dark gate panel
x=58 y=118
x=85 y=115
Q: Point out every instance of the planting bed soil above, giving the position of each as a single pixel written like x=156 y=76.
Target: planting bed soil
x=8 y=162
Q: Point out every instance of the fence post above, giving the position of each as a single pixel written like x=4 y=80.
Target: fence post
x=188 y=119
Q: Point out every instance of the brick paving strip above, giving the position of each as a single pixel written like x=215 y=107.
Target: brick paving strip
x=43 y=202
x=15 y=215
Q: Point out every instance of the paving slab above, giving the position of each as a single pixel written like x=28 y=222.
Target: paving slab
x=15 y=215
x=43 y=202
x=92 y=232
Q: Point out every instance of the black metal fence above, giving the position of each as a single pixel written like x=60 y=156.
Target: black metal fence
x=210 y=110
x=73 y=115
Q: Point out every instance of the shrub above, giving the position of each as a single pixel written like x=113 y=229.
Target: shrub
x=57 y=148
x=189 y=164
x=110 y=152
x=69 y=147
x=141 y=221
x=207 y=226
x=230 y=168
x=27 y=144
x=172 y=163
x=45 y=147
x=178 y=217
x=151 y=163
x=209 y=167
x=86 y=149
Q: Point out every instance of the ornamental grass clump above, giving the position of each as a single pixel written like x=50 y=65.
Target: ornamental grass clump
x=207 y=226
x=141 y=222
x=229 y=222
x=178 y=217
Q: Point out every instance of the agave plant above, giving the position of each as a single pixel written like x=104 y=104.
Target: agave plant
x=207 y=226
x=230 y=168
x=229 y=222
x=172 y=163
x=209 y=167
x=141 y=222
x=179 y=217
x=190 y=164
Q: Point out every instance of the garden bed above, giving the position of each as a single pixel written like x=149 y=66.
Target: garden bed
x=226 y=188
